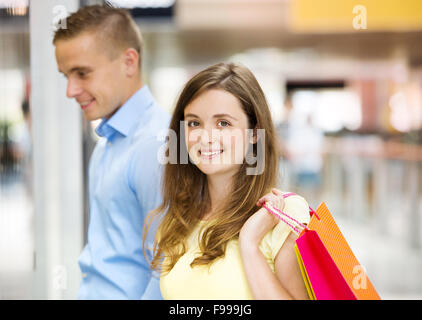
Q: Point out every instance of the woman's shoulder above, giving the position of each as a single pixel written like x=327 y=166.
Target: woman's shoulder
x=296 y=207
x=295 y=201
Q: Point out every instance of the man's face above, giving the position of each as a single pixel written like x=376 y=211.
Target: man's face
x=94 y=79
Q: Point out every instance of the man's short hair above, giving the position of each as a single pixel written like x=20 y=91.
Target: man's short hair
x=114 y=27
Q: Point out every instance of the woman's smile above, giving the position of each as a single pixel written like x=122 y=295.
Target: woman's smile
x=210 y=154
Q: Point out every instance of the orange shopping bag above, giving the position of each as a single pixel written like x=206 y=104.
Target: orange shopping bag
x=329 y=268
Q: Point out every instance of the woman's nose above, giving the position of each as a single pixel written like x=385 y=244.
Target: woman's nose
x=209 y=135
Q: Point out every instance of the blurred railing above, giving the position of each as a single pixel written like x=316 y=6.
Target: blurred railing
x=377 y=183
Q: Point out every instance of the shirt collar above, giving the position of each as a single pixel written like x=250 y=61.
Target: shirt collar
x=127 y=115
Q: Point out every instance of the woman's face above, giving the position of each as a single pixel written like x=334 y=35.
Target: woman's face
x=216 y=132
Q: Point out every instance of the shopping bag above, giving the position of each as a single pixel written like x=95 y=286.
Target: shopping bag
x=322 y=277
x=329 y=268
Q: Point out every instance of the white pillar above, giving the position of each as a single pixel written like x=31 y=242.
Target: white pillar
x=414 y=216
x=57 y=163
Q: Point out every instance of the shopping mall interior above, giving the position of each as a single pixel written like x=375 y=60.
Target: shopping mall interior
x=343 y=80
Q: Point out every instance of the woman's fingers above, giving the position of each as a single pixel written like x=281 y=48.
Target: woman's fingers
x=279 y=196
x=275 y=198
x=264 y=199
x=277 y=192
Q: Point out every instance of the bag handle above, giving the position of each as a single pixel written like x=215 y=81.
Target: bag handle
x=277 y=212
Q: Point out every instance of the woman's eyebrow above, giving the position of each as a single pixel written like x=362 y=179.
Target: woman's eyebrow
x=220 y=115
x=223 y=115
x=191 y=115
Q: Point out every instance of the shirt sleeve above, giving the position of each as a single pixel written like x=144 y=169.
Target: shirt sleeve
x=145 y=178
x=296 y=207
x=153 y=291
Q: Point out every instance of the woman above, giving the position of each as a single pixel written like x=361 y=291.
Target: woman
x=214 y=241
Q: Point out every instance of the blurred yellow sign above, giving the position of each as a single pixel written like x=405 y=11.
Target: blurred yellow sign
x=355 y=15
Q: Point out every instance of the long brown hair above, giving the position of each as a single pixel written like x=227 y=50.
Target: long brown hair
x=185 y=191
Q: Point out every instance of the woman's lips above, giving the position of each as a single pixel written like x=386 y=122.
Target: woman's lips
x=210 y=154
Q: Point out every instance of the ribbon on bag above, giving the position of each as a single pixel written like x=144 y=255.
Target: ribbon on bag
x=280 y=214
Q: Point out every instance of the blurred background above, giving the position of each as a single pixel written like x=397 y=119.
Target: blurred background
x=344 y=83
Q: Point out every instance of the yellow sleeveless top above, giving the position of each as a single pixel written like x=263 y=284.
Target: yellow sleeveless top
x=225 y=278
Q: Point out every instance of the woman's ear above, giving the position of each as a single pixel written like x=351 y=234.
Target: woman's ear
x=254 y=137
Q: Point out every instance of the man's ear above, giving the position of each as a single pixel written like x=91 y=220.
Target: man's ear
x=131 y=61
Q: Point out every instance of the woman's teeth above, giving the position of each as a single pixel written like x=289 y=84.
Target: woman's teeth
x=209 y=153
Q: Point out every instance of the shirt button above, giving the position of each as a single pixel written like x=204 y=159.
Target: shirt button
x=109 y=143
x=83 y=275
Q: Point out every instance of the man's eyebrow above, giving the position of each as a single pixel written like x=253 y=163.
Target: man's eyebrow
x=219 y=115
x=76 y=69
x=80 y=69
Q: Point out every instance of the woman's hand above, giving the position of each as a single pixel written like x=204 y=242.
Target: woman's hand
x=261 y=221
x=262 y=280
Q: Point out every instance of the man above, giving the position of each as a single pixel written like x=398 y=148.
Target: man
x=100 y=52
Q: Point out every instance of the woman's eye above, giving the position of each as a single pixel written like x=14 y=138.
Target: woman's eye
x=223 y=123
x=193 y=123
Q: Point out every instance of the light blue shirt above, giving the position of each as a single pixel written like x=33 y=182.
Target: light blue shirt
x=124 y=186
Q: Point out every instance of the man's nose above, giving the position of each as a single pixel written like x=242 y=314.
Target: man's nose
x=73 y=88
